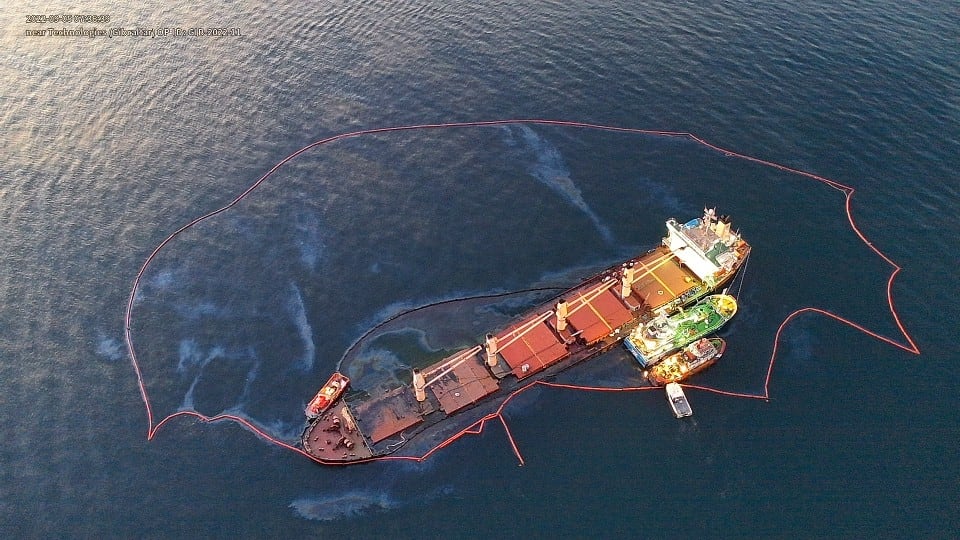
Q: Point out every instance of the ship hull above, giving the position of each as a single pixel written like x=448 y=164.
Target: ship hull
x=454 y=394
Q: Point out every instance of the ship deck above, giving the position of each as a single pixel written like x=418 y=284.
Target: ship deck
x=390 y=414
x=662 y=278
x=335 y=436
x=530 y=345
x=531 y=348
x=466 y=384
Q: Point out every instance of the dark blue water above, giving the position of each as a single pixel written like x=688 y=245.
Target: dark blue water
x=109 y=145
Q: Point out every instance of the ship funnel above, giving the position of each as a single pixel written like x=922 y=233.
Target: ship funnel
x=492 y=350
x=561 y=315
x=626 y=282
x=419 y=386
x=723 y=231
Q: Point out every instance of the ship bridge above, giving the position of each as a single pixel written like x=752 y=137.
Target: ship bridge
x=703 y=245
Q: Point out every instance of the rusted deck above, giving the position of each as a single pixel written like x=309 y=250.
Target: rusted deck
x=532 y=351
x=464 y=385
x=397 y=410
x=661 y=278
x=527 y=347
x=335 y=436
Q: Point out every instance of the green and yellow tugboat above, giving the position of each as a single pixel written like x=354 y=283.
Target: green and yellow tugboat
x=651 y=342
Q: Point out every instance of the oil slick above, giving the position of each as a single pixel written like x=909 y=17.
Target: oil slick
x=110 y=348
x=298 y=313
x=308 y=238
x=347 y=505
x=552 y=171
x=244 y=366
x=358 y=503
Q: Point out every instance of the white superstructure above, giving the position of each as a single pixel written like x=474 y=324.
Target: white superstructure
x=705 y=245
x=678 y=401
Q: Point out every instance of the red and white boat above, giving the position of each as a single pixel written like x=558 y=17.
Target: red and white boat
x=327 y=395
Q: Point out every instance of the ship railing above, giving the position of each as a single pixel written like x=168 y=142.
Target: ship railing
x=522 y=330
x=588 y=297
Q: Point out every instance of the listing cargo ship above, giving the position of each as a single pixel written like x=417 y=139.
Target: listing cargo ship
x=695 y=259
x=692 y=359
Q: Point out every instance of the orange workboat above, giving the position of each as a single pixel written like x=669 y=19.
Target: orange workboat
x=692 y=359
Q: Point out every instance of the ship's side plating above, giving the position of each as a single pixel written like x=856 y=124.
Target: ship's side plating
x=694 y=260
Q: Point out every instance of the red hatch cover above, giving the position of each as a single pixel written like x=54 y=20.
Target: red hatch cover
x=600 y=316
x=536 y=349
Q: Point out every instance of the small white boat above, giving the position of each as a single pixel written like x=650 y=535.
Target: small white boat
x=678 y=401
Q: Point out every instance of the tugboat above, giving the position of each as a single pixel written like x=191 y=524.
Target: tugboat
x=692 y=359
x=651 y=342
x=694 y=260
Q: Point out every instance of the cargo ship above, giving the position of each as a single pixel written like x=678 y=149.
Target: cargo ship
x=690 y=360
x=694 y=260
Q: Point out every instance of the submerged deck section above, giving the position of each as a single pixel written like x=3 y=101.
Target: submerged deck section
x=387 y=416
x=466 y=384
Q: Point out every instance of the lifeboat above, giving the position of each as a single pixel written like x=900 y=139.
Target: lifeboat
x=327 y=395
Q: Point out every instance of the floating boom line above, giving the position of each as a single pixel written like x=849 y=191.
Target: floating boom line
x=153 y=427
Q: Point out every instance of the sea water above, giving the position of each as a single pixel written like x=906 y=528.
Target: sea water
x=112 y=144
